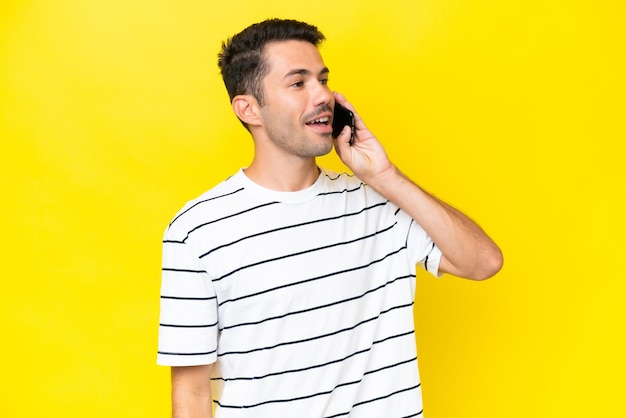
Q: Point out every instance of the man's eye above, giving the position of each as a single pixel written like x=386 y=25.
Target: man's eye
x=298 y=84
x=324 y=81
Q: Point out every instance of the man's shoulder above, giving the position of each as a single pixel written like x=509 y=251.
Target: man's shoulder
x=218 y=196
x=346 y=182
x=336 y=180
x=230 y=185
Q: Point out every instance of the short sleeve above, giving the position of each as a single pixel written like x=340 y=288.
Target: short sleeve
x=431 y=261
x=421 y=247
x=188 y=308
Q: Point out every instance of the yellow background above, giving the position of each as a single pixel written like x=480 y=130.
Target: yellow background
x=113 y=114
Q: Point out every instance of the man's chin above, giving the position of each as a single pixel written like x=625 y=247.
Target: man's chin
x=320 y=146
x=327 y=148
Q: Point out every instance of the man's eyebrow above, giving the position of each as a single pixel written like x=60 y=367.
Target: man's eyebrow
x=303 y=71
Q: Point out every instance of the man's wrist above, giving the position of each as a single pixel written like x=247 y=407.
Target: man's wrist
x=388 y=182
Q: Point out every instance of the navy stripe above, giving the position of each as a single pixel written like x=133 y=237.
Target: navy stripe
x=338 y=176
x=233 y=215
x=387 y=396
x=324 y=276
x=359 y=187
x=378 y=399
x=188 y=326
x=325 y=247
x=293 y=226
x=426 y=259
x=327 y=392
x=328 y=305
x=169 y=241
x=182 y=270
x=390 y=366
x=204 y=201
x=167 y=353
x=187 y=298
x=317 y=366
x=318 y=337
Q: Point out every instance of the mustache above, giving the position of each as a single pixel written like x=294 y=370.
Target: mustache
x=324 y=108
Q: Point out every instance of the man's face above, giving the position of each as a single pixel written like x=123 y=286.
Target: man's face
x=297 y=106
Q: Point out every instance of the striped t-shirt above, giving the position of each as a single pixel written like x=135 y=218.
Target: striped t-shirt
x=304 y=300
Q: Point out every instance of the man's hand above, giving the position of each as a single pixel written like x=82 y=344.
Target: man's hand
x=365 y=157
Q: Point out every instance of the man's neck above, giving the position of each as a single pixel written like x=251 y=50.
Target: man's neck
x=284 y=176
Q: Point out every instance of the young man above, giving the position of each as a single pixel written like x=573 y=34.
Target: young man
x=287 y=290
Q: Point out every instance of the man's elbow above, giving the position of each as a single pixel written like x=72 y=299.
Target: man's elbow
x=481 y=266
x=491 y=264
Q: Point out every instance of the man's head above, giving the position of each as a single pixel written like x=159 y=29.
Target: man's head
x=242 y=62
x=278 y=86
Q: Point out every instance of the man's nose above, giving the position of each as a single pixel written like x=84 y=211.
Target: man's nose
x=322 y=95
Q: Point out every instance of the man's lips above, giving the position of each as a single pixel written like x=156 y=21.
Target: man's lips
x=321 y=123
x=323 y=120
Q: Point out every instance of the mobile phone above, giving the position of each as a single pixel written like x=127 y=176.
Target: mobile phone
x=341 y=118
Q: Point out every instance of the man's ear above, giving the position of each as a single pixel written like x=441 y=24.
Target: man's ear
x=246 y=108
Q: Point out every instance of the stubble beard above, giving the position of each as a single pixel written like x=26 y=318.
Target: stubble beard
x=296 y=143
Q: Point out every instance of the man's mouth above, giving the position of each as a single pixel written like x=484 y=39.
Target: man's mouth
x=320 y=121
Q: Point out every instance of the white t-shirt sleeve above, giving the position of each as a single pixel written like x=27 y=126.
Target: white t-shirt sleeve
x=188 y=317
x=420 y=246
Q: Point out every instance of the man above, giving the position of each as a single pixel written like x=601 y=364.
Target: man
x=287 y=290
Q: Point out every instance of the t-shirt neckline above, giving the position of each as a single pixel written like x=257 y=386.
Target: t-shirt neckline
x=278 y=196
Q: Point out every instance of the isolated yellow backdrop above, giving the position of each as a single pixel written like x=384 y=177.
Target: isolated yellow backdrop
x=112 y=115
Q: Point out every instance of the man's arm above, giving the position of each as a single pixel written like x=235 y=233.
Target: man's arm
x=467 y=250
x=191 y=392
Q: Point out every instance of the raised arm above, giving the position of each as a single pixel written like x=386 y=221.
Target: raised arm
x=191 y=392
x=467 y=250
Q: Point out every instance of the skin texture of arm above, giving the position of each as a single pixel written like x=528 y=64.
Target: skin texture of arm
x=467 y=250
x=191 y=392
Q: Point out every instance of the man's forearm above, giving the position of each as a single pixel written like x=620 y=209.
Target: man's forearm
x=191 y=392
x=191 y=406
x=467 y=250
